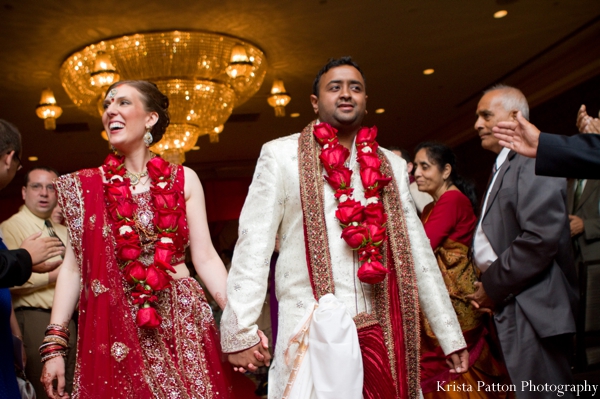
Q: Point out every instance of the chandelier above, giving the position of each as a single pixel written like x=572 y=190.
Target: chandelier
x=204 y=74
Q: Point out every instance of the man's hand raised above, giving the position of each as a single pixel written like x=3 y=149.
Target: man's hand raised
x=520 y=136
x=41 y=249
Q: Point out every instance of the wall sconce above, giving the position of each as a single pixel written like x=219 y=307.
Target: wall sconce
x=105 y=72
x=48 y=110
x=214 y=135
x=279 y=98
x=239 y=65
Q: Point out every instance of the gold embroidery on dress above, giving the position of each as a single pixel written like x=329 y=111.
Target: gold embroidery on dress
x=119 y=351
x=98 y=288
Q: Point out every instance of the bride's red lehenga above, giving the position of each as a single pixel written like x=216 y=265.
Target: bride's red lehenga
x=116 y=358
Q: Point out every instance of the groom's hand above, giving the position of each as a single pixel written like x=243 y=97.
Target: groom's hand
x=252 y=358
x=458 y=362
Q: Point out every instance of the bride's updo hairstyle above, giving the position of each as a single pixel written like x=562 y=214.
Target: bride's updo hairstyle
x=154 y=101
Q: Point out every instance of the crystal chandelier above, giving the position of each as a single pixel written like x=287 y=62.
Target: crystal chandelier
x=204 y=74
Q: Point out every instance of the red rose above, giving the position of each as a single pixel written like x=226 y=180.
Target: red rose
x=134 y=272
x=167 y=219
x=148 y=317
x=125 y=209
x=339 y=178
x=159 y=169
x=324 y=133
x=366 y=134
x=369 y=160
x=118 y=190
x=372 y=272
x=128 y=249
x=372 y=176
x=157 y=279
x=165 y=198
x=349 y=211
x=334 y=157
x=355 y=236
x=375 y=214
x=346 y=191
x=376 y=233
x=369 y=253
x=164 y=251
x=113 y=165
x=164 y=266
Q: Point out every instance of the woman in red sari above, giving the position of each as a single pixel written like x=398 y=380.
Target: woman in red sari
x=449 y=223
x=145 y=329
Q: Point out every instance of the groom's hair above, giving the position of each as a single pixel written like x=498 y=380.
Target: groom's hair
x=333 y=63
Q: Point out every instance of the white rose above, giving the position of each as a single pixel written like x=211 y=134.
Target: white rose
x=166 y=240
x=162 y=184
x=366 y=149
x=343 y=198
x=372 y=200
x=125 y=229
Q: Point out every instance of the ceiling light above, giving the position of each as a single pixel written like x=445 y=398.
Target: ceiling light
x=214 y=135
x=206 y=72
x=379 y=111
x=500 y=14
x=295 y=115
x=428 y=71
x=279 y=98
x=33 y=158
x=104 y=73
x=48 y=110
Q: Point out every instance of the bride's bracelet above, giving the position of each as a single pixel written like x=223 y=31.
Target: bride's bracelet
x=56 y=342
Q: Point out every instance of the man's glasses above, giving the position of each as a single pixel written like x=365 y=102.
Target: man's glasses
x=36 y=187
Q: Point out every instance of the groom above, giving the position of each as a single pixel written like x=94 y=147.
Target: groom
x=353 y=254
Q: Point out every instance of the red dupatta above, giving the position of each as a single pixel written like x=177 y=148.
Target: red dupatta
x=109 y=358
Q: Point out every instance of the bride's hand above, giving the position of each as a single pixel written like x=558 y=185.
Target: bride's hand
x=54 y=369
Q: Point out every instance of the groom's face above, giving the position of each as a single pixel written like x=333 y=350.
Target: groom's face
x=342 y=99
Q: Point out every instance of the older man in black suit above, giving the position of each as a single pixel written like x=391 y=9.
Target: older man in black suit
x=522 y=246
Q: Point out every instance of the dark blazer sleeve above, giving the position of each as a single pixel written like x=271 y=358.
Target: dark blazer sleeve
x=534 y=226
x=15 y=267
x=569 y=156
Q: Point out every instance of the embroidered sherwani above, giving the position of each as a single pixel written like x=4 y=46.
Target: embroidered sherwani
x=273 y=206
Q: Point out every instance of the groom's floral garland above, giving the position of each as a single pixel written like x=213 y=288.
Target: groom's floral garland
x=144 y=280
x=363 y=227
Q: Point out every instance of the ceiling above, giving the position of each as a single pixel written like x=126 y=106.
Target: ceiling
x=544 y=47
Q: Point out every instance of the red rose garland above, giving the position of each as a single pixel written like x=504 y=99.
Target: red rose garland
x=144 y=280
x=363 y=227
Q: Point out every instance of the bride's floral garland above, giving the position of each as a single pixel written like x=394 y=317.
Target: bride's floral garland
x=363 y=227
x=144 y=280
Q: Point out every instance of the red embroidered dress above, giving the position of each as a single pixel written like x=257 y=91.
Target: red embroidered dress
x=115 y=357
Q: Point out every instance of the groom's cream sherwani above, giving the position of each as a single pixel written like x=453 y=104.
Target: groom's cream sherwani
x=273 y=206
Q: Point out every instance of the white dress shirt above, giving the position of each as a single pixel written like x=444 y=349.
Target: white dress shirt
x=483 y=253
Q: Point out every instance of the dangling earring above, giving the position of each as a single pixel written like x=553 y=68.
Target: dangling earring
x=148 y=136
x=114 y=150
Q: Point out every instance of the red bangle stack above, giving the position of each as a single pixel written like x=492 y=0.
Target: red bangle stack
x=56 y=342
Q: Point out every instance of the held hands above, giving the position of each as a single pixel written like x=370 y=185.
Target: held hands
x=54 y=369
x=42 y=249
x=252 y=358
x=520 y=136
x=480 y=300
x=458 y=361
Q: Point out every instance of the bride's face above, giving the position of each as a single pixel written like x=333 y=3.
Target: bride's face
x=125 y=117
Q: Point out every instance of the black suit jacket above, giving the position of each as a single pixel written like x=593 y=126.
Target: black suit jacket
x=575 y=156
x=527 y=225
x=15 y=267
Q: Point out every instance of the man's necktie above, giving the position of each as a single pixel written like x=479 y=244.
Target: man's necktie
x=577 y=196
x=52 y=233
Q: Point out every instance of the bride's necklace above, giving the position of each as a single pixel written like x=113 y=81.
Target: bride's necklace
x=135 y=178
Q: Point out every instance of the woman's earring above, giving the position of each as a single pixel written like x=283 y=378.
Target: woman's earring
x=148 y=136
